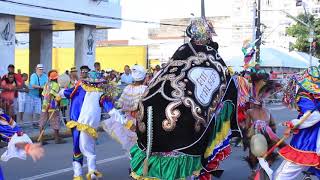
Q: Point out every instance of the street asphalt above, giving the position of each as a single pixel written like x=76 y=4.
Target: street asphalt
x=113 y=162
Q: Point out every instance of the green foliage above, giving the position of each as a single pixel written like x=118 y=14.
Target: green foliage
x=301 y=32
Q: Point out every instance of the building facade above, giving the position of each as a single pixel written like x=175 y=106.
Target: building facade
x=39 y=19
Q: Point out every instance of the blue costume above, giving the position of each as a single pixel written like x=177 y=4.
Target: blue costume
x=304 y=149
x=87 y=98
x=12 y=134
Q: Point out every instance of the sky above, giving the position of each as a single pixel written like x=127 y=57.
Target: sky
x=149 y=9
x=154 y=10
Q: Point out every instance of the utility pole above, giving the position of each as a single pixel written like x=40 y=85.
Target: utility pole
x=203 y=11
x=254 y=28
x=258 y=29
x=309 y=25
x=311 y=33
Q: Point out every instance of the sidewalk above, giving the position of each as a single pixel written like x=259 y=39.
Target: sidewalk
x=34 y=131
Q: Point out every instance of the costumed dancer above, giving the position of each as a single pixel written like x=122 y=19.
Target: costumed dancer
x=187 y=114
x=19 y=144
x=304 y=149
x=244 y=89
x=123 y=128
x=87 y=98
x=259 y=120
x=50 y=107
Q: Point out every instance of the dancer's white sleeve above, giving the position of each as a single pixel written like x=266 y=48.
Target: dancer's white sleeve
x=12 y=151
x=61 y=93
x=313 y=119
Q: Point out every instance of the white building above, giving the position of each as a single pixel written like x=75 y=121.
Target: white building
x=40 y=18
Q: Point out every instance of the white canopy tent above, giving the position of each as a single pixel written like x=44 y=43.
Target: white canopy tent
x=271 y=57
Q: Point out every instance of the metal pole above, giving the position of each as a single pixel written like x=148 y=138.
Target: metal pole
x=148 y=60
x=254 y=27
x=203 y=12
x=254 y=21
x=258 y=33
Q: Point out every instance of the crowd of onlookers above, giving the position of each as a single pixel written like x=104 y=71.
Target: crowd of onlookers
x=22 y=95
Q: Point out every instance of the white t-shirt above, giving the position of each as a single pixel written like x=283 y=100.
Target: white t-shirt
x=22 y=96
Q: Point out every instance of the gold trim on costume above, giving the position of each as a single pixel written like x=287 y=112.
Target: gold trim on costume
x=137 y=177
x=82 y=127
x=91 y=88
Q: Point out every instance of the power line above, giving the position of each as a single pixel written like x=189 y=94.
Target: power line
x=98 y=16
x=117 y=18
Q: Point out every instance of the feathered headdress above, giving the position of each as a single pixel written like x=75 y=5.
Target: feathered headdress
x=262 y=87
x=200 y=31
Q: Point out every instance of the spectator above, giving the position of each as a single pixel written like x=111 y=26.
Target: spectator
x=37 y=82
x=73 y=76
x=19 y=72
x=113 y=76
x=9 y=86
x=273 y=75
x=97 y=67
x=50 y=108
x=108 y=72
x=84 y=70
x=156 y=70
x=23 y=97
x=17 y=77
x=126 y=77
x=67 y=72
x=148 y=78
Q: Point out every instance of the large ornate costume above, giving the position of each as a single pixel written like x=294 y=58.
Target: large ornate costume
x=186 y=116
x=304 y=149
x=87 y=100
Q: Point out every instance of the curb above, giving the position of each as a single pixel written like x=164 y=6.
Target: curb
x=50 y=136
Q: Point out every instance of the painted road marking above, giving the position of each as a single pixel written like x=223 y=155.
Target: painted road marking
x=48 y=174
x=277 y=108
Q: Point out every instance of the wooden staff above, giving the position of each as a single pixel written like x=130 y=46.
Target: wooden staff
x=302 y=120
x=45 y=126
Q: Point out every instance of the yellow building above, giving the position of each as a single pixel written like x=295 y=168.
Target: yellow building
x=115 y=57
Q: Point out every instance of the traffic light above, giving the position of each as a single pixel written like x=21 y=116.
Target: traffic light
x=298 y=2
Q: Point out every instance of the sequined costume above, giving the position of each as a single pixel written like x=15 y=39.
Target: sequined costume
x=186 y=117
x=87 y=100
x=11 y=133
x=304 y=149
